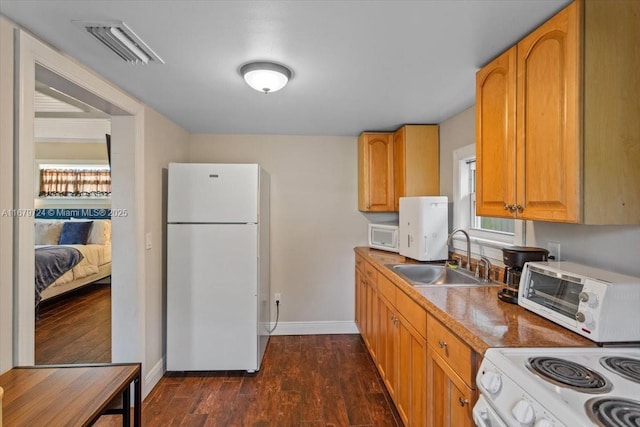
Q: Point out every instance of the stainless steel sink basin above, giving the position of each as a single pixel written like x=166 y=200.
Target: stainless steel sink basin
x=434 y=275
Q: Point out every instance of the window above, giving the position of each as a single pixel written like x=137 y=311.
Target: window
x=483 y=223
x=75 y=181
x=484 y=231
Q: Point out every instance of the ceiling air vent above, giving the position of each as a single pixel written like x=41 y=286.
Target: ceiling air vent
x=122 y=40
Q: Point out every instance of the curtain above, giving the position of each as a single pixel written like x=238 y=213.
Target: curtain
x=75 y=182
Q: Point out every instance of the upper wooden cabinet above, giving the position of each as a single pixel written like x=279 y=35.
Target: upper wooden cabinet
x=375 y=172
x=555 y=129
x=416 y=162
x=496 y=135
x=394 y=165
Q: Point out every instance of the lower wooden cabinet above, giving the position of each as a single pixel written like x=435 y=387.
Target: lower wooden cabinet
x=451 y=398
x=428 y=371
x=451 y=366
x=360 y=303
x=366 y=304
x=387 y=345
x=412 y=375
x=402 y=354
x=371 y=316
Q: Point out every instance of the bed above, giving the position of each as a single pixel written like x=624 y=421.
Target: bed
x=70 y=254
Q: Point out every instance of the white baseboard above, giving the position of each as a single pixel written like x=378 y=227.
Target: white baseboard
x=153 y=377
x=315 y=328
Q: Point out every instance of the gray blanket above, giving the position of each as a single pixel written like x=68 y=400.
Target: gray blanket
x=51 y=263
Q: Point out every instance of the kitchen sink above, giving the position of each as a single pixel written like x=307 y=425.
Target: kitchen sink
x=425 y=275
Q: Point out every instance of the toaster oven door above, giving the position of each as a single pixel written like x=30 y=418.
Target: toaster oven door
x=559 y=295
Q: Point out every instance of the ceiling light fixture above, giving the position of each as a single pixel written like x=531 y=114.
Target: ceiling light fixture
x=265 y=76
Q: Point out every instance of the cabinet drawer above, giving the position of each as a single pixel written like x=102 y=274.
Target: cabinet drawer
x=451 y=349
x=360 y=262
x=370 y=273
x=387 y=288
x=411 y=311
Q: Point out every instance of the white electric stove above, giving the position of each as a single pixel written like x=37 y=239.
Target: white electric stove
x=543 y=387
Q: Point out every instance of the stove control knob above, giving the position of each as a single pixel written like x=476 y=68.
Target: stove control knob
x=584 y=317
x=589 y=297
x=523 y=412
x=491 y=381
x=543 y=423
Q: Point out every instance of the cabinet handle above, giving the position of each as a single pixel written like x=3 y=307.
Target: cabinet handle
x=463 y=402
x=443 y=344
x=512 y=208
x=519 y=208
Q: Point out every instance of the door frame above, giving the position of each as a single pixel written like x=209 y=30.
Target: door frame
x=127 y=129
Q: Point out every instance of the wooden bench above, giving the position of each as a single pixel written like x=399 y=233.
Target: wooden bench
x=69 y=395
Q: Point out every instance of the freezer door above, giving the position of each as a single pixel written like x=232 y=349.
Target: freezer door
x=212 y=297
x=212 y=193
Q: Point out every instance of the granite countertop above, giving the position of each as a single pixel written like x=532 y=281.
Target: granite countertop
x=476 y=314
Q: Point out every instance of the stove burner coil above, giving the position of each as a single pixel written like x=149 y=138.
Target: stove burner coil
x=626 y=367
x=613 y=412
x=568 y=374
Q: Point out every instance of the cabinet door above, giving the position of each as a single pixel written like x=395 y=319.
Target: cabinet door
x=416 y=162
x=387 y=345
x=371 y=317
x=360 y=301
x=548 y=184
x=496 y=136
x=375 y=172
x=412 y=375
x=451 y=399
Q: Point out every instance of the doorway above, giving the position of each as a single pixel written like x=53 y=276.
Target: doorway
x=37 y=60
x=72 y=188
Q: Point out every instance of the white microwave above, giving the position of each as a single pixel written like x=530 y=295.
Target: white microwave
x=597 y=304
x=384 y=236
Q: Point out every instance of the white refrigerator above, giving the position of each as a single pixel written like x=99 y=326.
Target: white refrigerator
x=218 y=311
x=423 y=227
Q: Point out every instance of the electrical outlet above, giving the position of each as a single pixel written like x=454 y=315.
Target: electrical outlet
x=554 y=250
x=277 y=297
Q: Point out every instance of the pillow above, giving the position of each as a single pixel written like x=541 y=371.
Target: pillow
x=100 y=233
x=47 y=232
x=75 y=233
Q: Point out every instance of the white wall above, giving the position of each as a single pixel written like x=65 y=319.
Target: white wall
x=610 y=247
x=71 y=151
x=164 y=142
x=315 y=223
x=456 y=132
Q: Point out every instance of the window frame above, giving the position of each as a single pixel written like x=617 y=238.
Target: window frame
x=483 y=243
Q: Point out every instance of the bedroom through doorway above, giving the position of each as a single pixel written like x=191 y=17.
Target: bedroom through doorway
x=72 y=200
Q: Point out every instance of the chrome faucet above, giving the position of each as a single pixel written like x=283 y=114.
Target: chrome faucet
x=468 y=245
x=487 y=268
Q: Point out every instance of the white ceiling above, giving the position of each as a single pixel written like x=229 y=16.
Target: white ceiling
x=358 y=65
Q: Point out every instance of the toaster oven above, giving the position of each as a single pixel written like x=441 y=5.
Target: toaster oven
x=597 y=304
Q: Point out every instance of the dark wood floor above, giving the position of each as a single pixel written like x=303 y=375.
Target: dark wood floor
x=75 y=328
x=306 y=381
